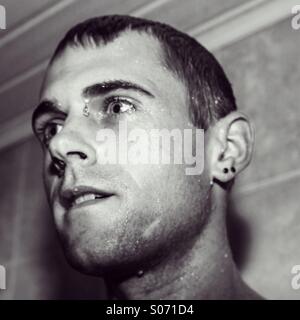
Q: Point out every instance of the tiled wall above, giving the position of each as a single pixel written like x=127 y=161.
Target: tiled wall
x=265 y=72
x=264 y=211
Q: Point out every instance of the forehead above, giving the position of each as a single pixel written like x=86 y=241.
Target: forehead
x=133 y=56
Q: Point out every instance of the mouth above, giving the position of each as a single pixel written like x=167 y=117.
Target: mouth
x=82 y=195
x=87 y=198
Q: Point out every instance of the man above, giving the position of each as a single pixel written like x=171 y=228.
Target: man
x=150 y=230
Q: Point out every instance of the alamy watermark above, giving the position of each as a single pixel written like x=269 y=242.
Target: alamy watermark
x=295 y=283
x=2 y=18
x=154 y=146
x=2 y=278
x=295 y=22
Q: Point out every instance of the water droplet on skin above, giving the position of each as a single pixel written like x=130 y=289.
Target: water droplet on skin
x=140 y=273
x=100 y=115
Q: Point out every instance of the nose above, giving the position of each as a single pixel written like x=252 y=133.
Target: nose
x=69 y=147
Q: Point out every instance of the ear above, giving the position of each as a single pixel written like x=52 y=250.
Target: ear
x=230 y=146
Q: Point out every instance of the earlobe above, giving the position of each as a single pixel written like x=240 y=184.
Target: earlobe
x=231 y=146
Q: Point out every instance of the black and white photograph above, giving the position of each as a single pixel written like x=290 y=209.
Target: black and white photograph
x=150 y=150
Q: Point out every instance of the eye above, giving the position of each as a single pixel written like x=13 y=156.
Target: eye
x=116 y=106
x=50 y=130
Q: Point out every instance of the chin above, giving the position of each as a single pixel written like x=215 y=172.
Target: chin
x=101 y=267
x=110 y=262
x=80 y=262
x=89 y=260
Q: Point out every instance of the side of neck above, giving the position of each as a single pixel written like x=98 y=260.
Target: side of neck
x=202 y=269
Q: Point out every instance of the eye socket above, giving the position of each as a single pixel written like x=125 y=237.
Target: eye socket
x=50 y=130
x=116 y=106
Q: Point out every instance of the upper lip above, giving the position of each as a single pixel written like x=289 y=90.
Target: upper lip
x=68 y=195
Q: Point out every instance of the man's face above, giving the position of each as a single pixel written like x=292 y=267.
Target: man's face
x=148 y=210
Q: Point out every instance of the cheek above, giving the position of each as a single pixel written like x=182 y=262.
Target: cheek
x=51 y=183
x=166 y=193
x=166 y=210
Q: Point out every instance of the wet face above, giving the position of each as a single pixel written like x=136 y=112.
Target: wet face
x=115 y=216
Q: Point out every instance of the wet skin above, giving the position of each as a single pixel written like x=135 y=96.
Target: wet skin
x=152 y=208
x=152 y=216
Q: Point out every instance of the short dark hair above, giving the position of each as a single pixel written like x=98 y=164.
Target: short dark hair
x=210 y=93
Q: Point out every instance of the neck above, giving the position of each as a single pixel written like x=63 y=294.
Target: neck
x=204 y=269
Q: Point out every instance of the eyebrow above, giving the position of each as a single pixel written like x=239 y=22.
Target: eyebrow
x=109 y=86
x=46 y=106
x=101 y=88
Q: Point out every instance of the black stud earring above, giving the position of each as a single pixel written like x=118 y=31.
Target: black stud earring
x=233 y=169
x=225 y=170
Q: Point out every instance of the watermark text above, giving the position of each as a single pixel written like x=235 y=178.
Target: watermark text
x=154 y=146
x=2 y=18
x=295 y=283
x=296 y=18
x=2 y=278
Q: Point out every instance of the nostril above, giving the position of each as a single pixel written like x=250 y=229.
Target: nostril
x=81 y=155
x=61 y=164
x=58 y=165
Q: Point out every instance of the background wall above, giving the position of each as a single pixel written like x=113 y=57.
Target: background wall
x=259 y=50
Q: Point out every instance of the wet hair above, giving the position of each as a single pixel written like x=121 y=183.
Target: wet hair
x=210 y=94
